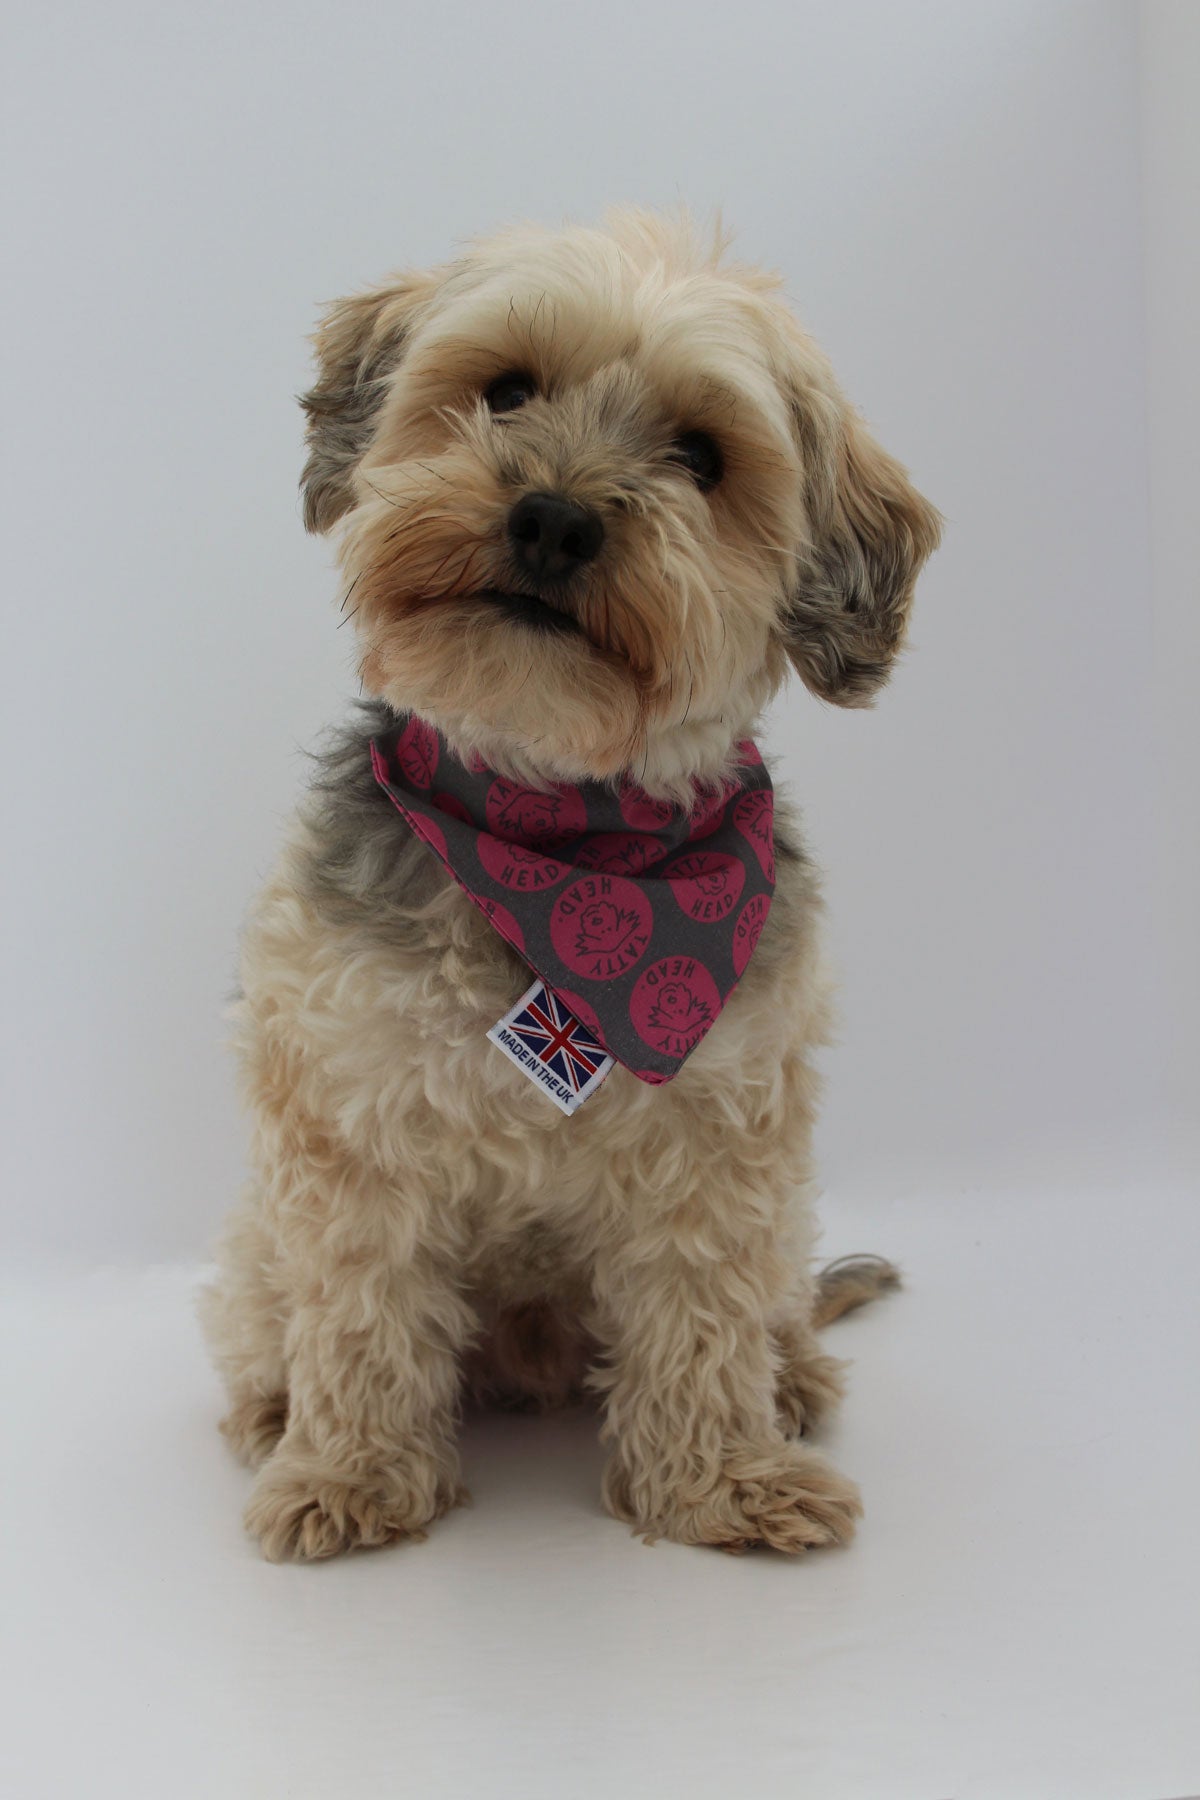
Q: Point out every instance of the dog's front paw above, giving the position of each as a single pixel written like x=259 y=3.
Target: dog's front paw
x=786 y=1497
x=298 y=1512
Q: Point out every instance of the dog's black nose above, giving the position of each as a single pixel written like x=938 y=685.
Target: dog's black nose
x=551 y=535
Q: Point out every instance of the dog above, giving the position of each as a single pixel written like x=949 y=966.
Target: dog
x=596 y=494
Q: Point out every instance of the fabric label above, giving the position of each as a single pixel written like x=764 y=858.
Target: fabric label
x=548 y=1043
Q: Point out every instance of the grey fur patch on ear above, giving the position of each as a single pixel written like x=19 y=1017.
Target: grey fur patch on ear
x=359 y=343
x=871 y=534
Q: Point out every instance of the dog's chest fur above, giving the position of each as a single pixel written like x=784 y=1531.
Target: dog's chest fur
x=369 y=984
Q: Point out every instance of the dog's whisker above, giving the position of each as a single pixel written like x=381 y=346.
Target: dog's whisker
x=691 y=690
x=386 y=498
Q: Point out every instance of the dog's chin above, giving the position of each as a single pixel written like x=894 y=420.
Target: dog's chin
x=513 y=677
x=533 y=613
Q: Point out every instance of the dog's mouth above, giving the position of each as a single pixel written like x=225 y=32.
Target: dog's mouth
x=538 y=615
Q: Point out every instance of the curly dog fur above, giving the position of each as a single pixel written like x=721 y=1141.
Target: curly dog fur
x=422 y=1223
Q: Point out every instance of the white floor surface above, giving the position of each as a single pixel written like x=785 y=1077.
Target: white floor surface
x=1019 y=1617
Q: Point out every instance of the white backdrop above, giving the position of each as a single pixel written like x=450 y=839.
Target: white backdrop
x=953 y=195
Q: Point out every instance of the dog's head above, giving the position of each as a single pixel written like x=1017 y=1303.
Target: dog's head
x=594 y=489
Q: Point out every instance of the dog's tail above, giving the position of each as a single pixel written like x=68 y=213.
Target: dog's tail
x=849 y=1282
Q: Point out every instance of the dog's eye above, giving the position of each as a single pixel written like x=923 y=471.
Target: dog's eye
x=508 y=392
x=700 y=456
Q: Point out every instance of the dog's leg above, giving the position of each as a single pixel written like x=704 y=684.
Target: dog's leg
x=244 y=1316
x=373 y=1343
x=809 y=1384
x=699 y=1455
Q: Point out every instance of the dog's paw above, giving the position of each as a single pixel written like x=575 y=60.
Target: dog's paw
x=253 y=1427
x=785 y=1497
x=809 y=1387
x=300 y=1514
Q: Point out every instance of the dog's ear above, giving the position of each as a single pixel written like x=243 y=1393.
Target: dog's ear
x=358 y=345
x=869 y=535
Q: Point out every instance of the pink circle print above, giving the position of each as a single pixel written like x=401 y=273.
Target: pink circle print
x=522 y=815
x=620 y=852
x=709 y=811
x=432 y=834
x=514 y=866
x=748 y=930
x=754 y=815
x=707 y=884
x=673 y=1004
x=452 y=806
x=600 y=926
x=417 y=752
x=643 y=813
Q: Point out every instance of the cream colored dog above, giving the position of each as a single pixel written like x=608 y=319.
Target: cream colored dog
x=422 y=1220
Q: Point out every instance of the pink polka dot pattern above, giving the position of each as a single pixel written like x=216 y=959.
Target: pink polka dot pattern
x=529 y=816
x=641 y=915
x=451 y=805
x=433 y=835
x=620 y=852
x=643 y=813
x=513 y=866
x=706 y=884
x=753 y=814
x=417 y=752
x=748 y=930
x=710 y=811
x=600 y=926
x=673 y=1004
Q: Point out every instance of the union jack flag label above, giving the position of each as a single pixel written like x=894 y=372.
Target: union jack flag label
x=548 y=1044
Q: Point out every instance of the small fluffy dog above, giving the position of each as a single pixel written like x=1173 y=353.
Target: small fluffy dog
x=596 y=492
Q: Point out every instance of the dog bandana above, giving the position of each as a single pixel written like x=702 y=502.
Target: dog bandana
x=638 y=917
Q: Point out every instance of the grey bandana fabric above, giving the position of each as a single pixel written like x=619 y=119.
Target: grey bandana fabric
x=640 y=916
